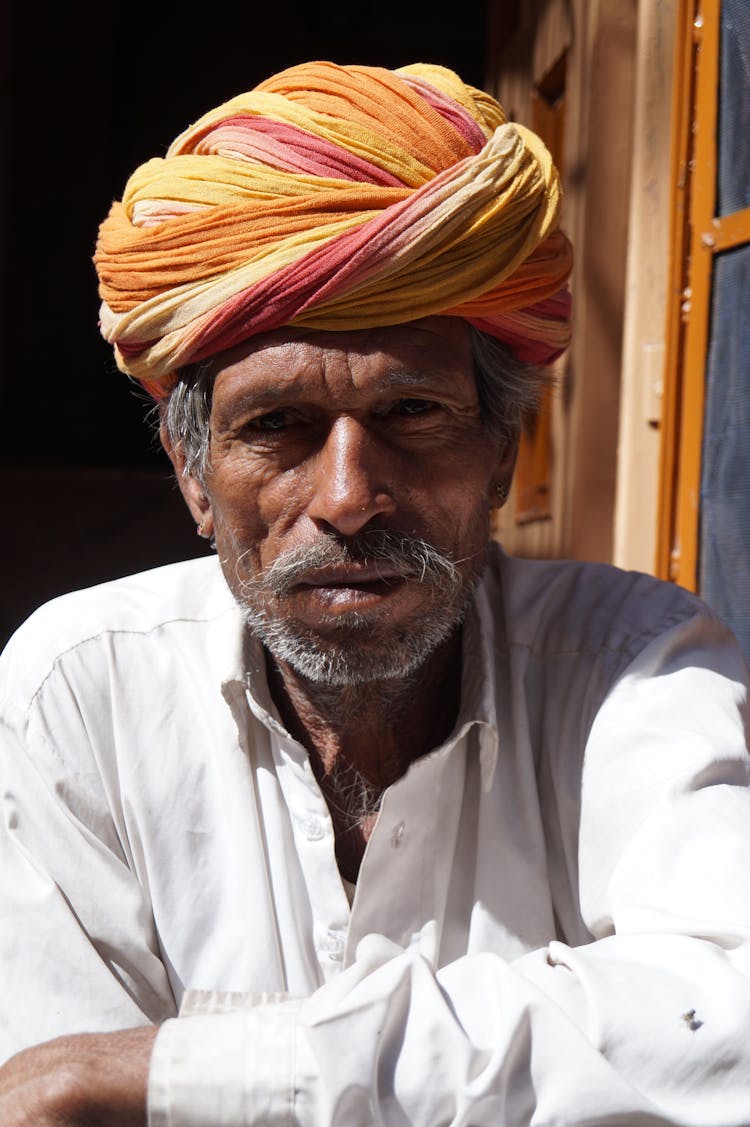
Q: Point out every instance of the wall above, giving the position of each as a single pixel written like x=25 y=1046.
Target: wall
x=641 y=403
x=600 y=41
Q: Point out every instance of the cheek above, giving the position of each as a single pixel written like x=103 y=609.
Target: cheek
x=457 y=498
x=465 y=523
x=471 y=519
x=254 y=514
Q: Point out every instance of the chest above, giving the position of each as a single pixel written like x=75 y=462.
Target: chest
x=247 y=894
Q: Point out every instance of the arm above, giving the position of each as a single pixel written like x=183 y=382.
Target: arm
x=87 y=1079
x=77 y=943
x=77 y=939
x=649 y=1024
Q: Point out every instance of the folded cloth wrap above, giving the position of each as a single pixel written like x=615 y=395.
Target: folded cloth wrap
x=336 y=198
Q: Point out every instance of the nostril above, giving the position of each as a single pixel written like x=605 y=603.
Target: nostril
x=349 y=487
x=342 y=516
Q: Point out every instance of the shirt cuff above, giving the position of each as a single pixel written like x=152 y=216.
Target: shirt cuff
x=232 y=1069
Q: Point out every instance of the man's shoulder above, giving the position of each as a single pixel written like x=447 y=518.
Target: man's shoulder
x=133 y=606
x=556 y=606
x=140 y=602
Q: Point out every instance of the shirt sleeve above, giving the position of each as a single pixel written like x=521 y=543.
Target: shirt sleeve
x=647 y=1024
x=78 y=945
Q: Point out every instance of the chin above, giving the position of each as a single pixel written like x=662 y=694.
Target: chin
x=357 y=649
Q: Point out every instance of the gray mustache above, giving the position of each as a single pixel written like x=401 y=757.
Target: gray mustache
x=410 y=556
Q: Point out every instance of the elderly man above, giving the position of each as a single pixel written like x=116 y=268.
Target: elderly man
x=362 y=821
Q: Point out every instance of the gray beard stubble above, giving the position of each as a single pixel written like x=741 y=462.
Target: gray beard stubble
x=364 y=652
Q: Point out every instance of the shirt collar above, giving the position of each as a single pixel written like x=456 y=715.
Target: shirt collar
x=478 y=682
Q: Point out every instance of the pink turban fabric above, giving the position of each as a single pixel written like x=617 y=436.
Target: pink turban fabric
x=336 y=198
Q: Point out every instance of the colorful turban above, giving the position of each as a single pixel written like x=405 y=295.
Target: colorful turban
x=336 y=198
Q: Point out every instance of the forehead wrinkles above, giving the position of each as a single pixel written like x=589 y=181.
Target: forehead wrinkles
x=373 y=367
x=330 y=373
x=335 y=366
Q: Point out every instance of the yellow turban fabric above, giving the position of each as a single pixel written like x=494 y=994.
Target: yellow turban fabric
x=336 y=198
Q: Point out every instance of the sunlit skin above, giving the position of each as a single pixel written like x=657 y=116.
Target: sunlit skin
x=322 y=434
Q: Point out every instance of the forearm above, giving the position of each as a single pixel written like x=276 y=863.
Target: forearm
x=597 y=1034
x=84 y=1080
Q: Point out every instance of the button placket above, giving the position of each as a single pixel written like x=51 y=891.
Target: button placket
x=401 y=889
x=314 y=838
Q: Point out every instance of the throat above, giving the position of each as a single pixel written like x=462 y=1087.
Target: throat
x=362 y=738
x=353 y=804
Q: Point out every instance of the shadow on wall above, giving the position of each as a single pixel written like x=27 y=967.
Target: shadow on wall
x=76 y=527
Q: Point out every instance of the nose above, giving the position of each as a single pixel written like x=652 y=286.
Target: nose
x=350 y=479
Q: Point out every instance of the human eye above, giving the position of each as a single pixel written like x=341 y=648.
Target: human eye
x=271 y=422
x=412 y=407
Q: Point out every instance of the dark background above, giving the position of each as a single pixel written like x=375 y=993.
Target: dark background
x=88 y=493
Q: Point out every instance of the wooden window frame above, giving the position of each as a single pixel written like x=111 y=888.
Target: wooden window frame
x=697 y=235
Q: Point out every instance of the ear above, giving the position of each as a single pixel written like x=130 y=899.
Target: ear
x=194 y=494
x=503 y=475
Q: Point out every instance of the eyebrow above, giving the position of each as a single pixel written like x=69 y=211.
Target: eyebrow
x=399 y=377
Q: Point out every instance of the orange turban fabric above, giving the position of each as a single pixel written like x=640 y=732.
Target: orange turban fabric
x=336 y=198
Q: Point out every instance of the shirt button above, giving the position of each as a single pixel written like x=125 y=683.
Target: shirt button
x=332 y=944
x=312 y=828
x=397 y=835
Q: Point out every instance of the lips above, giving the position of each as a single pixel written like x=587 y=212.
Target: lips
x=354 y=587
x=352 y=576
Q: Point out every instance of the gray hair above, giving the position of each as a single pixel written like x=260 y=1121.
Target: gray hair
x=509 y=393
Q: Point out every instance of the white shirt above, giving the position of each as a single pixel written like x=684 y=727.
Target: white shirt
x=552 y=919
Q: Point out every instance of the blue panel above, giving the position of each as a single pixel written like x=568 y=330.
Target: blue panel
x=725 y=487
x=734 y=107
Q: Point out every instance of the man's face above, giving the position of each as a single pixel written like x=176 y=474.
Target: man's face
x=349 y=491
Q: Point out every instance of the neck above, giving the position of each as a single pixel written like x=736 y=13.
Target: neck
x=361 y=738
